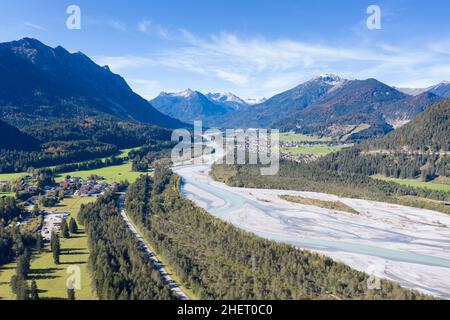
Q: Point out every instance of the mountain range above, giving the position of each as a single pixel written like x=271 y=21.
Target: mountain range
x=40 y=82
x=190 y=105
x=59 y=107
x=326 y=105
x=442 y=89
x=430 y=131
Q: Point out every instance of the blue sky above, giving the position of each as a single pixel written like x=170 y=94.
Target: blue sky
x=249 y=47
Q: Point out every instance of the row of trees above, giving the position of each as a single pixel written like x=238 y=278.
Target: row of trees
x=18 y=243
x=218 y=261
x=121 y=270
x=55 y=153
x=427 y=166
x=10 y=210
x=19 y=284
x=317 y=178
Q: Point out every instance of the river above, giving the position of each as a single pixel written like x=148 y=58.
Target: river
x=408 y=245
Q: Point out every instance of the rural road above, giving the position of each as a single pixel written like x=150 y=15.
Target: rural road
x=174 y=287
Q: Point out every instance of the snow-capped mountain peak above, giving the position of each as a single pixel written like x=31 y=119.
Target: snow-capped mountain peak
x=222 y=97
x=329 y=78
x=227 y=98
x=188 y=93
x=443 y=83
x=255 y=101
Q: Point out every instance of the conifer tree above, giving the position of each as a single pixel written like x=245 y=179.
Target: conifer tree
x=64 y=229
x=73 y=227
x=34 y=292
x=71 y=294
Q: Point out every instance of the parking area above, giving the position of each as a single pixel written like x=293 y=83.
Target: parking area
x=52 y=223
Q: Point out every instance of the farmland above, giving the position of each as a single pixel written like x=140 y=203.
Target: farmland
x=111 y=173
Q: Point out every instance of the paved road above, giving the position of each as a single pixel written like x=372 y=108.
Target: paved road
x=174 y=287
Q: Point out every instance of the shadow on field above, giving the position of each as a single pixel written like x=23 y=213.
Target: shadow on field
x=43 y=274
x=6 y=268
x=73 y=251
x=43 y=271
x=73 y=263
x=53 y=299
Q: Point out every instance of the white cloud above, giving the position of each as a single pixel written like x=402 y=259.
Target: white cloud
x=262 y=67
x=144 y=26
x=147 y=27
x=34 y=26
x=118 y=25
x=118 y=63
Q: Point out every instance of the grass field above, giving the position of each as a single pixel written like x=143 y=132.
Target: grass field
x=416 y=183
x=51 y=278
x=11 y=176
x=320 y=150
x=111 y=174
x=7 y=194
x=292 y=137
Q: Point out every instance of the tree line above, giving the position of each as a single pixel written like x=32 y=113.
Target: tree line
x=120 y=269
x=319 y=178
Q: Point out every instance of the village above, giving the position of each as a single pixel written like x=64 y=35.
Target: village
x=69 y=187
x=37 y=197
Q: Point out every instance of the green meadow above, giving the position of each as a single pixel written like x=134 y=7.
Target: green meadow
x=50 y=278
x=292 y=137
x=111 y=174
x=320 y=150
x=416 y=183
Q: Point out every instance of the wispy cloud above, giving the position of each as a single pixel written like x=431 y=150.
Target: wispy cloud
x=118 y=25
x=34 y=26
x=262 y=67
x=144 y=26
x=149 y=28
x=146 y=87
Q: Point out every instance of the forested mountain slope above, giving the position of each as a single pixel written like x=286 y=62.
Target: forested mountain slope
x=13 y=138
x=37 y=81
x=420 y=148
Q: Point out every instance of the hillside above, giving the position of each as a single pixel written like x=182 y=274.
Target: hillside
x=13 y=138
x=442 y=89
x=401 y=112
x=430 y=131
x=330 y=105
x=418 y=149
x=358 y=102
x=282 y=106
x=38 y=82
